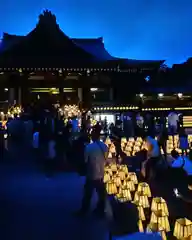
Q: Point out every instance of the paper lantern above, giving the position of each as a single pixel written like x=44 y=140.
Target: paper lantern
x=117 y=181
x=108 y=170
x=122 y=175
x=113 y=167
x=106 y=177
x=133 y=177
x=120 y=198
x=131 y=139
x=130 y=144
x=139 y=139
x=141 y=200
x=129 y=185
x=123 y=140
x=136 y=149
x=122 y=146
x=111 y=188
x=141 y=213
x=144 y=187
x=108 y=141
x=183 y=228
x=124 y=168
x=126 y=194
x=161 y=219
x=140 y=226
x=159 y=203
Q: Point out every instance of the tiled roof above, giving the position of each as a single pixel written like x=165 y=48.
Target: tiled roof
x=48 y=41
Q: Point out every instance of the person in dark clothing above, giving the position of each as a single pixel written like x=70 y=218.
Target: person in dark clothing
x=97 y=128
x=117 y=134
x=44 y=136
x=67 y=141
x=162 y=140
x=79 y=152
x=59 y=139
x=150 y=123
x=128 y=126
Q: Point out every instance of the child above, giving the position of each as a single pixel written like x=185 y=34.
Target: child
x=183 y=141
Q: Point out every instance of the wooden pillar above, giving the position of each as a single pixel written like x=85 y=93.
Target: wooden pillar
x=62 y=99
x=11 y=96
x=80 y=94
x=20 y=96
x=61 y=95
x=111 y=94
x=86 y=98
x=24 y=92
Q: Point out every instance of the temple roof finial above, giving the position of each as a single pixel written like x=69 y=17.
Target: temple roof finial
x=47 y=19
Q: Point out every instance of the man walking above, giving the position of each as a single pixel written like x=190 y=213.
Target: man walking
x=95 y=155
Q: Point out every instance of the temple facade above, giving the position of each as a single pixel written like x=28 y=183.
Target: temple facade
x=47 y=64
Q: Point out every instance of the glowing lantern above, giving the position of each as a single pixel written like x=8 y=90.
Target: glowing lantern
x=140 y=226
x=183 y=229
x=117 y=181
x=126 y=194
x=133 y=177
x=161 y=219
x=141 y=200
x=122 y=175
x=144 y=187
x=159 y=203
x=129 y=185
x=111 y=188
x=106 y=177
x=141 y=213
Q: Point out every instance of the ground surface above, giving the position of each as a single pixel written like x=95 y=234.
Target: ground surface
x=34 y=208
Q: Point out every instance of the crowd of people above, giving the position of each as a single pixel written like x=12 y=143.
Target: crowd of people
x=60 y=144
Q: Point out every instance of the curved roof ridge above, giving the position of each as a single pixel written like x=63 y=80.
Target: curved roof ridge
x=94 y=46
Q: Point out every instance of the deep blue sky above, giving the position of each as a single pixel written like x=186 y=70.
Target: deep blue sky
x=139 y=29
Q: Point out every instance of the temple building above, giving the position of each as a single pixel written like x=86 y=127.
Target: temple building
x=47 y=64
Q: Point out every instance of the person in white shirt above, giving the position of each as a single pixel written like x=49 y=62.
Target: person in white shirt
x=95 y=156
x=173 y=120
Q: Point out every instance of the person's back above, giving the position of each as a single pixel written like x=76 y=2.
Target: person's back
x=183 y=140
x=153 y=147
x=117 y=133
x=173 y=119
x=95 y=156
x=16 y=128
x=182 y=162
x=75 y=124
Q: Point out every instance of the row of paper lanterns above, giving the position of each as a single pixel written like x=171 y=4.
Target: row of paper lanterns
x=131 y=146
x=125 y=187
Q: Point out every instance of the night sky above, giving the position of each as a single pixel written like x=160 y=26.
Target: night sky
x=138 y=29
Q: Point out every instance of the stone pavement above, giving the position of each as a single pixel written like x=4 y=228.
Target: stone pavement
x=35 y=208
